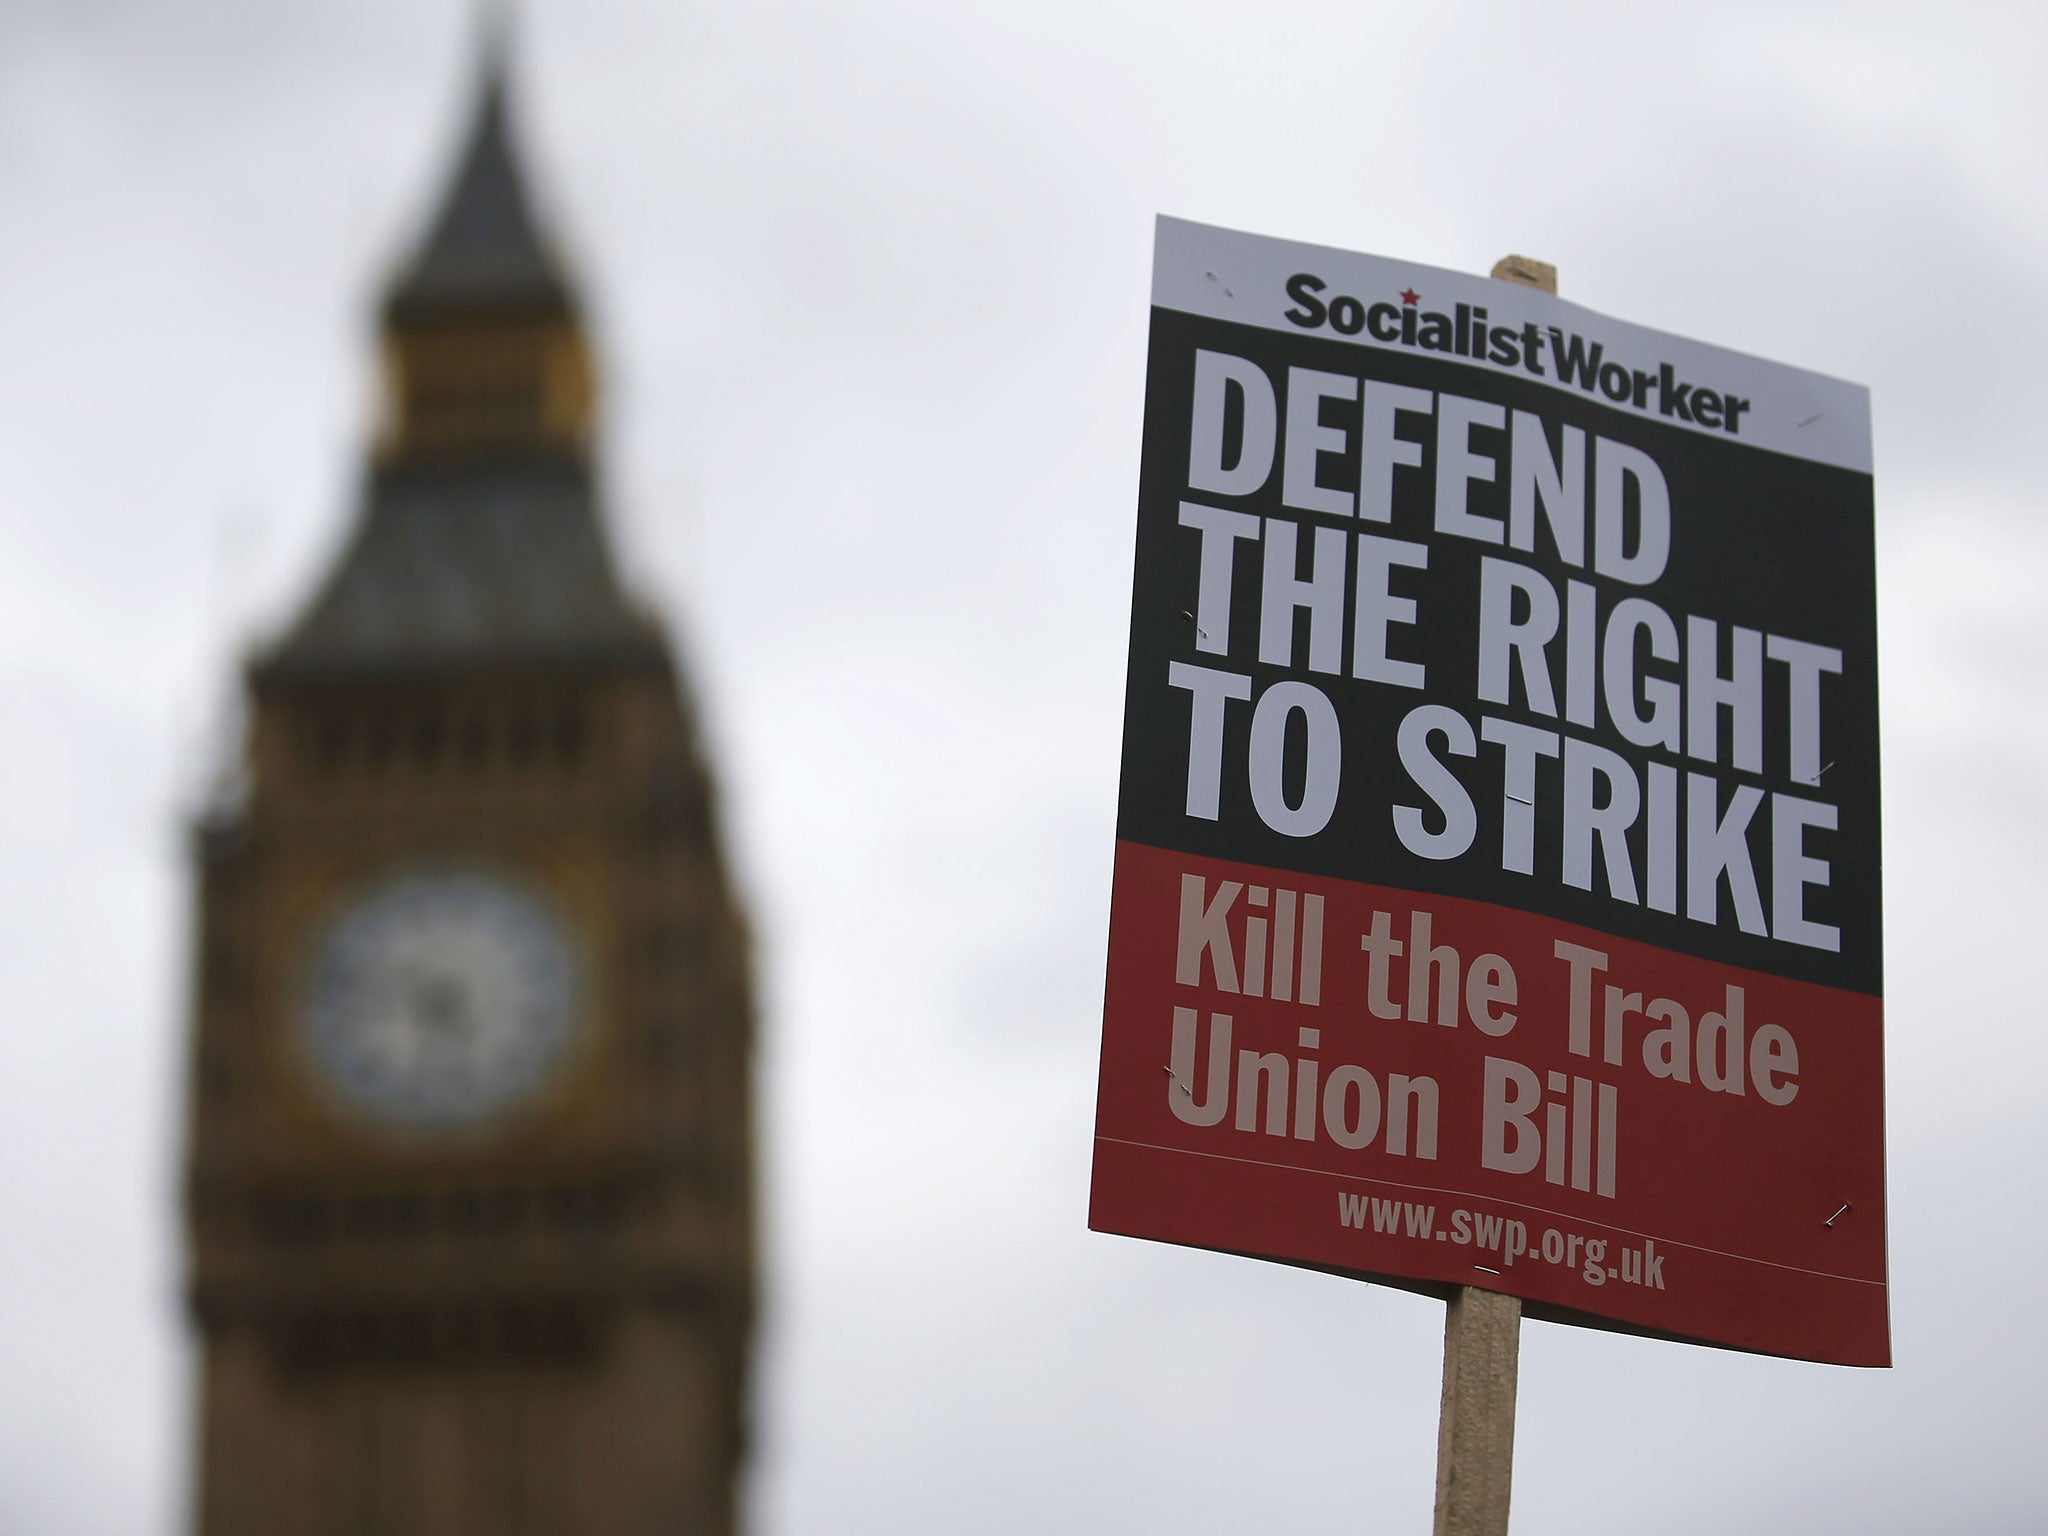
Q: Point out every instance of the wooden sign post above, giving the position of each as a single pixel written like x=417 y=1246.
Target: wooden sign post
x=1475 y=1434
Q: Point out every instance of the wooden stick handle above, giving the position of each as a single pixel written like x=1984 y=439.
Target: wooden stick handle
x=1475 y=1437
x=1475 y=1434
x=1527 y=271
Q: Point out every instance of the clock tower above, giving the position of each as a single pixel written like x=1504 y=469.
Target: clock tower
x=469 y=1176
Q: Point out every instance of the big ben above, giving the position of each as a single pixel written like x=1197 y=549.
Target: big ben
x=469 y=1177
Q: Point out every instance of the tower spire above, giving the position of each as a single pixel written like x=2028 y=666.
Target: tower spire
x=483 y=348
x=483 y=250
x=479 y=538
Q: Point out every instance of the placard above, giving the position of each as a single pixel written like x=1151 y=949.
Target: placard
x=1497 y=891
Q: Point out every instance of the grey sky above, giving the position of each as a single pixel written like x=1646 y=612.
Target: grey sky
x=871 y=289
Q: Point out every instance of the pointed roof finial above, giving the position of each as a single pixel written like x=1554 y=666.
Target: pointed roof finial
x=493 y=36
x=483 y=249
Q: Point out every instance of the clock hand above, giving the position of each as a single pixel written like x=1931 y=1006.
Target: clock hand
x=441 y=1004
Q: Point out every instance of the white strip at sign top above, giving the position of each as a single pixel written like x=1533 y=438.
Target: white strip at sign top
x=1397 y=306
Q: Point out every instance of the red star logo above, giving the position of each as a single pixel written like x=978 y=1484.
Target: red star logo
x=1410 y=296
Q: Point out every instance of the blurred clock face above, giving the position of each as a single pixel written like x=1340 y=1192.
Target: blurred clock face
x=440 y=999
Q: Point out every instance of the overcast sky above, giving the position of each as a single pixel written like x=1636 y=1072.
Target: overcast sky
x=871 y=287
